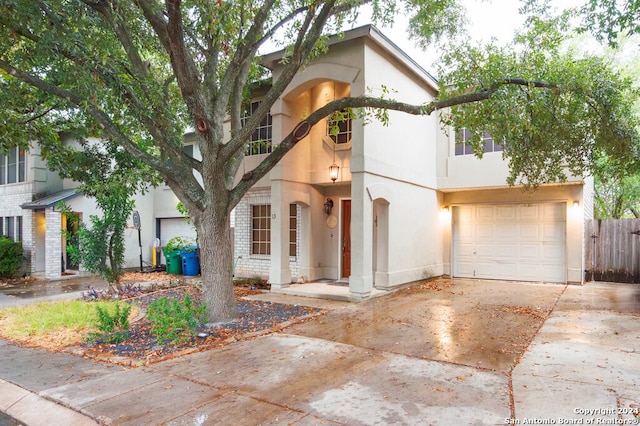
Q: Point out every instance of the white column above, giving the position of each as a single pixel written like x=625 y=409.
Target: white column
x=279 y=272
x=361 y=279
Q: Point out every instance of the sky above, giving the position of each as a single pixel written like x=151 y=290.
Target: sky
x=487 y=19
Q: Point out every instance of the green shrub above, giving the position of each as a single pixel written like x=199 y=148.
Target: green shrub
x=113 y=325
x=175 y=321
x=10 y=257
x=119 y=319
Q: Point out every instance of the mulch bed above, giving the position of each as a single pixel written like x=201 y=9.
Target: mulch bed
x=141 y=347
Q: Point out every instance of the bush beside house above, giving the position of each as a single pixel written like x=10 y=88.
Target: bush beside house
x=10 y=257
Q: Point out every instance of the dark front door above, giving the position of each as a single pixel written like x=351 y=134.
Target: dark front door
x=346 y=238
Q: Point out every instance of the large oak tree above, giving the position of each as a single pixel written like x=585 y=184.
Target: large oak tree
x=138 y=73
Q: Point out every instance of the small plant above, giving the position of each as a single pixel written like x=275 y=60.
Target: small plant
x=255 y=281
x=108 y=322
x=93 y=294
x=113 y=325
x=175 y=321
x=178 y=244
x=10 y=257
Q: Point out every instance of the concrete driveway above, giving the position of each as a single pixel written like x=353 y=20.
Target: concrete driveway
x=448 y=352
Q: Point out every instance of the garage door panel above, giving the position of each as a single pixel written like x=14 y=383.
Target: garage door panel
x=465 y=269
x=529 y=253
x=485 y=214
x=529 y=232
x=553 y=254
x=554 y=212
x=529 y=273
x=464 y=216
x=484 y=230
x=506 y=251
x=505 y=213
x=552 y=232
x=484 y=250
x=505 y=231
x=511 y=242
x=483 y=269
x=550 y=272
x=465 y=231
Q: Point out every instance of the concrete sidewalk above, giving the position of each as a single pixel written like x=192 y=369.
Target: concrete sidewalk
x=424 y=357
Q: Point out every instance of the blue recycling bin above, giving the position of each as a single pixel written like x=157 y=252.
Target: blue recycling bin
x=190 y=262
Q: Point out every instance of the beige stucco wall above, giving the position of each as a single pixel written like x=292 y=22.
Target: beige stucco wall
x=86 y=206
x=469 y=171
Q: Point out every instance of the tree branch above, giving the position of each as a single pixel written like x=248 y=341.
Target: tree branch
x=244 y=53
x=184 y=67
x=121 y=32
x=152 y=10
x=36 y=117
x=252 y=177
x=308 y=35
x=192 y=189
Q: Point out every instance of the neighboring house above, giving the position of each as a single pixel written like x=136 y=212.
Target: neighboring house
x=29 y=207
x=405 y=202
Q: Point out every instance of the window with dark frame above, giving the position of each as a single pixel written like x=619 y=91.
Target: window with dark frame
x=261 y=229
x=293 y=230
x=261 y=138
x=463 y=146
x=12 y=166
x=339 y=126
x=11 y=227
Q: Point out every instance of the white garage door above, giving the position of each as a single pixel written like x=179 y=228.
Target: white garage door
x=510 y=242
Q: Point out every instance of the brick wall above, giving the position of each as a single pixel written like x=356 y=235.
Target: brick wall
x=11 y=197
x=53 y=239
x=250 y=265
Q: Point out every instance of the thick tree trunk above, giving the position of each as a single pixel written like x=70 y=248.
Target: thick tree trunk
x=216 y=260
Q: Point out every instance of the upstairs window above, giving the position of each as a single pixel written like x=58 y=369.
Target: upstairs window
x=188 y=149
x=12 y=166
x=464 y=148
x=339 y=126
x=260 y=142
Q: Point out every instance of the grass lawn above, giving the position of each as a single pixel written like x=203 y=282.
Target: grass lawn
x=53 y=325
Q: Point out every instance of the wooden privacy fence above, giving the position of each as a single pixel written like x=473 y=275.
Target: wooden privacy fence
x=613 y=250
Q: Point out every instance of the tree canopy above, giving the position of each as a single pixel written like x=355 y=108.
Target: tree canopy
x=139 y=73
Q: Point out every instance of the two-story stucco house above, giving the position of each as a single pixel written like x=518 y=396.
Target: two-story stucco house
x=407 y=202
x=372 y=205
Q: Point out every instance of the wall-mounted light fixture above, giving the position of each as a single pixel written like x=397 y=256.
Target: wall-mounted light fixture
x=576 y=203
x=328 y=205
x=445 y=209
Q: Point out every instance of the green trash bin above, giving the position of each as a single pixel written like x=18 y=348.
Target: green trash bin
x=174 y=263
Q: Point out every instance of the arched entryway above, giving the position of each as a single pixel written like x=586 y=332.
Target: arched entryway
x=380 y=244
